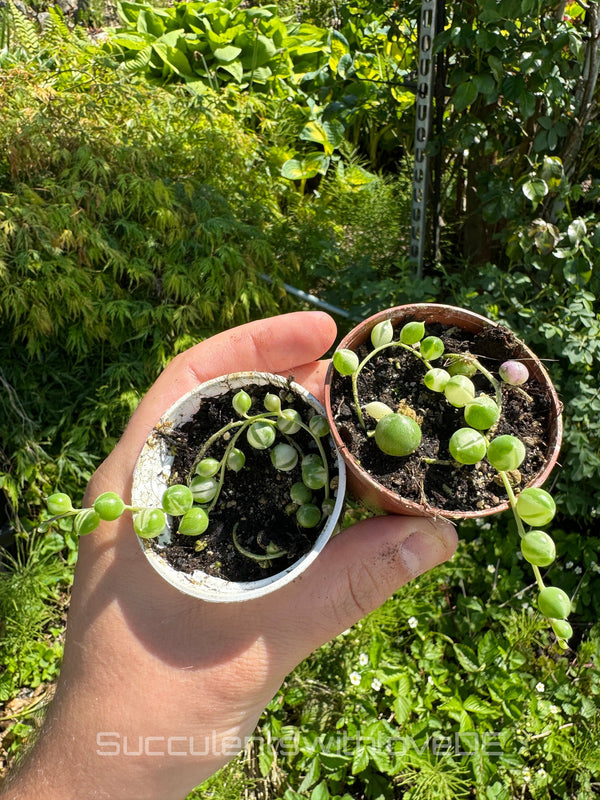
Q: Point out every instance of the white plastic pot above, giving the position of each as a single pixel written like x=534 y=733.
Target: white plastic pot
x=151 y=478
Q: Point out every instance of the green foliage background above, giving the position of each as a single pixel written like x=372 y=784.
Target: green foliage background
x=149 y=179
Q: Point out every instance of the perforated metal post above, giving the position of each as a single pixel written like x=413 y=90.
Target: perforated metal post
x=424 y=113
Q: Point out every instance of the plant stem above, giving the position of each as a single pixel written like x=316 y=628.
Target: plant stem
x=358 y=370
x=249 y=554
x=520 y=527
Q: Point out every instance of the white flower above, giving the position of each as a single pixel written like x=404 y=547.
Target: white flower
x=569 y=564
x=376 y=684
x=491 y=568
x=526 y=774
x=554 y=709
x=413 y=622
x=355 y=678
x=577 y=570
x=430 y=680
x=363 y=659
x=540 y=687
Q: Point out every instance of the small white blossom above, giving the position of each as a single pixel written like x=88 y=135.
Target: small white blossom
x=413 y=622
x=577 y=570
x=596 y=567
x=491 y=568
x=569 y=564
x=540 y=687
x=355 y=678
x=554 y=709
x=430 y=680
x=526 y=774
x=363 y=659
x=376 y=684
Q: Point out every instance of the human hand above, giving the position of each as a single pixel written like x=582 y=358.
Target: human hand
x=184 y=681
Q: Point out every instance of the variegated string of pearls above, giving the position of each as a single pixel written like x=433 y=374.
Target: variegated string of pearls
x=399 y=434
x=271 y=429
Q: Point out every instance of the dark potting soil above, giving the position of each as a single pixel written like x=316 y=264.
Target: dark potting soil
x=255 y=498
x=395 y=377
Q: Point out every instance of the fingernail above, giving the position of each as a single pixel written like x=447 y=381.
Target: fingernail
x=428 y=547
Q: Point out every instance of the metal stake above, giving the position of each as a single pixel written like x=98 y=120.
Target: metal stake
x=423 y=122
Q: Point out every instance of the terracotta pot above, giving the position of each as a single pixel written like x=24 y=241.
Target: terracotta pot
x=151 y=478
x=376 y=496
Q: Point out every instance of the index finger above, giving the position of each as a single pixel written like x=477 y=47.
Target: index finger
x=277 y=344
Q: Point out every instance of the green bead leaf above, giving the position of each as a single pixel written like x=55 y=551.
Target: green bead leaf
x=177 y=500
x=459 y=391
x=289 y=421
x=203 y=489
x=482 y=413
x=236 y=459
x=345 y=361
x=86 y=521
x=397 y=435
x=284 y=457
x=412 y=332
x=436 y=379
x=554 y=603
x=538 y=548
x=208 y=467
x=149 y=523
x=308 y=516
x=260 y=435
x=319 y=426
x=535 y=506
x=59 y=503
x=194 y=522
x=432 y=347
x=382 y=333
x=467 y=446
x=241 y=403
x=109 y=506
x=506 y=453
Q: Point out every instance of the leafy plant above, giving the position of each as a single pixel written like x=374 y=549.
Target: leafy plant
x=398 y=434
x=272 y=429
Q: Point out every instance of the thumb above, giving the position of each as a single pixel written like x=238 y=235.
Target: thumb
x=358 y=570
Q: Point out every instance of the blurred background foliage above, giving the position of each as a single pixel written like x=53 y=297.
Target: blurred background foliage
x=156 y=162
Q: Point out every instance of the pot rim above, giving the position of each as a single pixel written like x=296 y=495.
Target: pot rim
x=386 y=500
x=153 y=469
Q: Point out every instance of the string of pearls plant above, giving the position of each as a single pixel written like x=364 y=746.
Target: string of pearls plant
x=399 y=434
x=272 y=429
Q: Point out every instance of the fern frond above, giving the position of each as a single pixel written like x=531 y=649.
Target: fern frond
x=25 y=31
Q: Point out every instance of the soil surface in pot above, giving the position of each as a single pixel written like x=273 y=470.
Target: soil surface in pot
x=256 y=499
x=395 y=377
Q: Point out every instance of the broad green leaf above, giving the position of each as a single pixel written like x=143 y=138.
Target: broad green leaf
x=338 y=49
x=320 y=792
x=535 y=190
x=576 y=231
x=312 y=776
x=361 y=759
x=293 y=169
x=234 y=69
x=466 y=658
x=328 y=134
x=403 y=99
x=132 y=40
x=464 y=96
x=227 y=54
x=173 y=58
